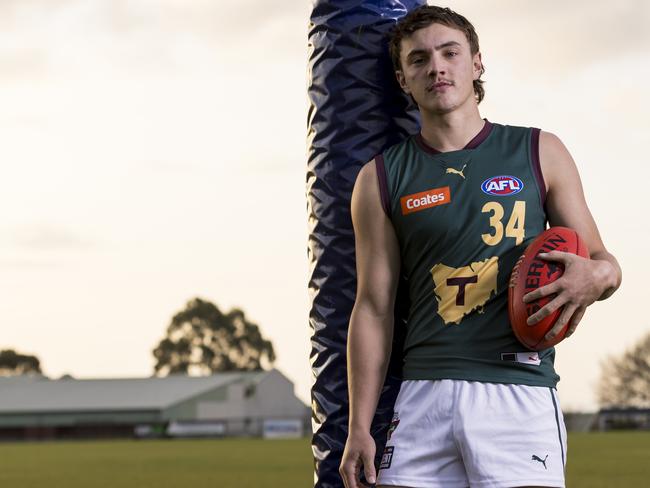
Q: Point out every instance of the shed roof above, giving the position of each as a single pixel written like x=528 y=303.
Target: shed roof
x=26 y=394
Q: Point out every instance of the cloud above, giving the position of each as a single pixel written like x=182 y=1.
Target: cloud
x=561 y=36
x=47 y=237
x=43 y=36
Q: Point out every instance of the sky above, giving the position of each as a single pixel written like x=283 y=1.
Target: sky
x=155 y=151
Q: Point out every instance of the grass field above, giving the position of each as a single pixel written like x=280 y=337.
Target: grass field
x=609 y=460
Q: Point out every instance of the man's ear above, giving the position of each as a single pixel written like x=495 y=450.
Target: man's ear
x=478 y=65
x=400 y=79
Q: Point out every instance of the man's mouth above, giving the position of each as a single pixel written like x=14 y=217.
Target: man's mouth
x=439 y=85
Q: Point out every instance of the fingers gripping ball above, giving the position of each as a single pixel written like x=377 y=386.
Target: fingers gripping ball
x=531 y=273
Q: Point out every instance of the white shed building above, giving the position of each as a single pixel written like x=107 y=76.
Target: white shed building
x=226 y=404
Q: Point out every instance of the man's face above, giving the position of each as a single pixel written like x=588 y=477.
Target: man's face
x=438 y=68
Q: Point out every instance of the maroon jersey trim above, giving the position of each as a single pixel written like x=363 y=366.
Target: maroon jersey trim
x=383 y=185
x=473 y=144
x=537 y=168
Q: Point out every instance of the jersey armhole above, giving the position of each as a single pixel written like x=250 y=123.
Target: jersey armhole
x=383 y=185
x=537 y=168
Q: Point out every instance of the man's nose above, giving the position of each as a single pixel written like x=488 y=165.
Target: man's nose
x=435 y=67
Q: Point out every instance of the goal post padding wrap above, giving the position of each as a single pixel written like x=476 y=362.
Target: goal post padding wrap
x=356 y=110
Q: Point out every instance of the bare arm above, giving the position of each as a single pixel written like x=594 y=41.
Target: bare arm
x=370 y=332
x=585 y=281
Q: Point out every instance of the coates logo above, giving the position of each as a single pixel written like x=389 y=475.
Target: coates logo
x=425 y=199
x=502 y=185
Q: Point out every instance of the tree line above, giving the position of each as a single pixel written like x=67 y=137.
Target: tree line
x=199 y=340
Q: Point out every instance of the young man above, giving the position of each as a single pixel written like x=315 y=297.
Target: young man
x=475 y=407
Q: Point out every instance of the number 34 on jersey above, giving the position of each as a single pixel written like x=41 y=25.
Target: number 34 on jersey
x=514 y=227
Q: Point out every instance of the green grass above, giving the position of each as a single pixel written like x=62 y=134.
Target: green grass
x=609 y=460
x=225 y=463
x=598 y=460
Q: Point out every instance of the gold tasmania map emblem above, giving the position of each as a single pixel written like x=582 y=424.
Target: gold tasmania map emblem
x=460 y=291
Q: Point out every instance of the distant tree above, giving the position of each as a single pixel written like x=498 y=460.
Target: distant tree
x=625 y=380
x=14 y=364
x=201 y=339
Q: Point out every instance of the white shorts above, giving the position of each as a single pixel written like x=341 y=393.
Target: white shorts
x=459 y=434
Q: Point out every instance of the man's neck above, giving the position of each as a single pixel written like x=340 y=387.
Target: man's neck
x=451 y=131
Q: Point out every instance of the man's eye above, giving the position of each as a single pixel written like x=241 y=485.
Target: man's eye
x=451 y=53
x=416 y=61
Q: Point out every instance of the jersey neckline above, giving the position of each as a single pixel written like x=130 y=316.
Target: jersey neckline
x=473 y=144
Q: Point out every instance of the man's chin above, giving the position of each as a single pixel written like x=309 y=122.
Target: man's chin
x=438 y=109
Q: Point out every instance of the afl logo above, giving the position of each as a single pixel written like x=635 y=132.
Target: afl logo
x=502 y=185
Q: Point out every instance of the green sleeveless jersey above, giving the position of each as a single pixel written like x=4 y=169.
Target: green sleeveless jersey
x=462 y=219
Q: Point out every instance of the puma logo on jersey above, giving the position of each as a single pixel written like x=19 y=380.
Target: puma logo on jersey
x=425 y=199
x=457 y=172
x=538 y=459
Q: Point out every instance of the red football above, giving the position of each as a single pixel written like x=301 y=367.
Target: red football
x=531 y=273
